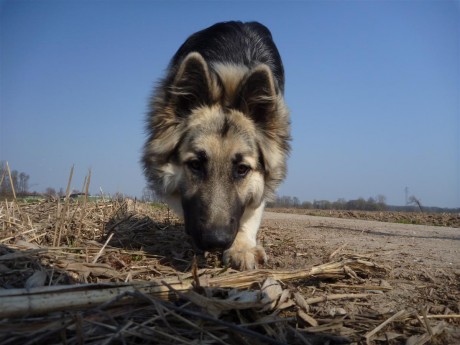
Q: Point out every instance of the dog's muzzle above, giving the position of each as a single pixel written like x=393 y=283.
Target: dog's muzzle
x=211 y=231
x=218 y=237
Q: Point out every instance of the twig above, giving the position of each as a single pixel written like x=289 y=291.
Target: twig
x=11 y=180
x=103 y=247
x=263 y=338
x=67 y=191
x=85 y=201
x=361 y=287
x=443 y=316
x=314 y=300
x=427 y=324
x=334 y=253
x=370 y=334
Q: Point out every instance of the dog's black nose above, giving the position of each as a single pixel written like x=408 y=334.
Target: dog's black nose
x=217 y=238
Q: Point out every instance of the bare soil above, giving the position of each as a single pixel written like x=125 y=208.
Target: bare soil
x=437 y=219
x=423 y=261
x=315 y=238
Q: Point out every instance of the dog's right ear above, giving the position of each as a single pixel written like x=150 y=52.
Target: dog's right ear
x=191 y=86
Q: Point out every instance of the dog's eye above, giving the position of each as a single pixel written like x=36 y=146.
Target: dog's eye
x=195 y=165
x=242 y=170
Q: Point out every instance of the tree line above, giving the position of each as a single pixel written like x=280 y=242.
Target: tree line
x=371 y=204
x=19 y=181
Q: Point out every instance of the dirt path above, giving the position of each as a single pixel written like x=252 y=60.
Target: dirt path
x=422 y=262
x=436 y=247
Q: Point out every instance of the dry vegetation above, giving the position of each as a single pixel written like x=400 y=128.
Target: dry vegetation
x=120 y=272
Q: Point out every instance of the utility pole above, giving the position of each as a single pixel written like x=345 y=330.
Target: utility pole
x=406 y=190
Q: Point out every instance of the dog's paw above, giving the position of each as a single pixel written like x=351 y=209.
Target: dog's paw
x=245 y=258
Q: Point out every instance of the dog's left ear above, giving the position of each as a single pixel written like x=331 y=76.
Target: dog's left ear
x=191 y=86
x=257 y=96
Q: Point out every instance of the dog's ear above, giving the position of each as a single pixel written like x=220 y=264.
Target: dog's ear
x=257 y=96
x=191 y=86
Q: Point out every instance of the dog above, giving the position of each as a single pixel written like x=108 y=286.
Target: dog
x=219 y=137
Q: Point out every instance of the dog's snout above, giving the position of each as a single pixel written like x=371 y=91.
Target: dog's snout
x=210 y=221
x=219 y=238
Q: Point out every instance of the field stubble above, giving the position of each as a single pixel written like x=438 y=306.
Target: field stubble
x=124 y=272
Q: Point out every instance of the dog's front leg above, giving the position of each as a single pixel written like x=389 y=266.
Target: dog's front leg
x=245 y=253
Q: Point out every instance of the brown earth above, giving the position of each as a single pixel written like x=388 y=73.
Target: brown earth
x=437 y=219
x=409 y=295
x=316 y=237
x=423 y=262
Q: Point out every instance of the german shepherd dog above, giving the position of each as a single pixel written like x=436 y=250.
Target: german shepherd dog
x=218 y=137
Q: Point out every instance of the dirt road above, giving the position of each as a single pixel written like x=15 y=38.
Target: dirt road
x=432 y=246
x=422 y=262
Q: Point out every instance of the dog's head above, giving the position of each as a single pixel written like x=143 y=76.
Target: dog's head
x=218 y=145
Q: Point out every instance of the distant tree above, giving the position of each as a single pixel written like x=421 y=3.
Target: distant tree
x=19 y=181
x=358 y=204
x=295 y=202
x=307 y=205
x=322 y=204
x=371 y=205
x=340 y=204
x=287 y=201
x=4 y=179
x=148 y=195
x=415 y=201
x=381 y=202
x=23 y=185
x=284 y=202
x=50 y=192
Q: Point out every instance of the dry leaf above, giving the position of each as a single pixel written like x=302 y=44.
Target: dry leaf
x=337 y=311
x=388 y=336
x=301 y=302
x=89 y=268
x=28 y=245
x=285 y=300
x=307 y=318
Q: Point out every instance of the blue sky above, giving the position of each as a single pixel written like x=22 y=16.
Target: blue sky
x=373 y=88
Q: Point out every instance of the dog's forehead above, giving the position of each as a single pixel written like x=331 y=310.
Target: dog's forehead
x=220 y=134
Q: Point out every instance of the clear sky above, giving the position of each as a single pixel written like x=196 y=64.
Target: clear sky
x=373 y=88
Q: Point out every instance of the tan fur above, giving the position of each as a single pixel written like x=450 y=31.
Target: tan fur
x=231 y=75
x=224 y=125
